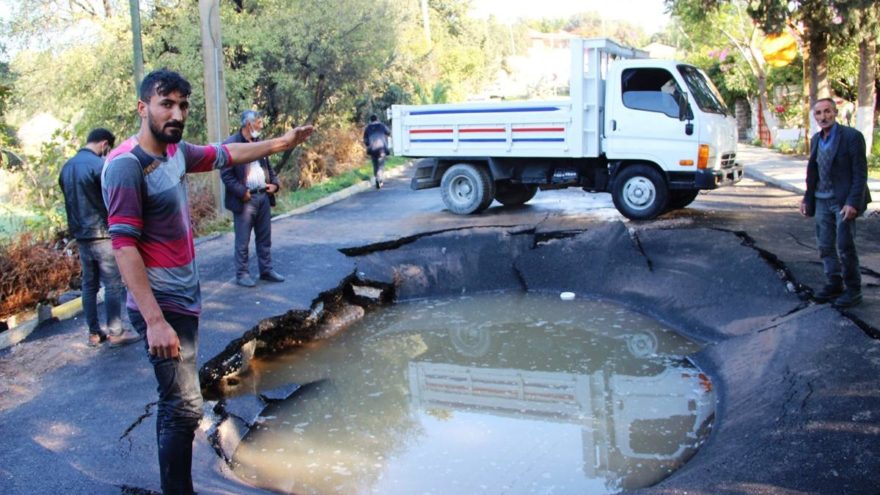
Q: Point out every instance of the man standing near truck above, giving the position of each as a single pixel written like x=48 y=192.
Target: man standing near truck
x=837 y=193
x=146 y=196
x=376 y=140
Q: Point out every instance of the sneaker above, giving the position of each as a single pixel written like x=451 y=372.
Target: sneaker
x=96 y=339
x=245 y=281
x=378 y=183
x=272 y=276
x=125 y=337
x=850 y=298
x=829 y=292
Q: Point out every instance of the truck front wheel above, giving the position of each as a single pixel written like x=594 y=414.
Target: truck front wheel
x=466 y=189
x=680 y=198
x=514 y=194
x=640 y=192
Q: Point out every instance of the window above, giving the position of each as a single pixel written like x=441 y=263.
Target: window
x=704 y=92
x=652 y=90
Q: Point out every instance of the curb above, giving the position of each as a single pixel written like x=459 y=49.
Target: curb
x=771 y=181
x=64 y=311
x=73 y=307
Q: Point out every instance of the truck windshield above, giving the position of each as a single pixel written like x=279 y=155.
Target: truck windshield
x=705 y=93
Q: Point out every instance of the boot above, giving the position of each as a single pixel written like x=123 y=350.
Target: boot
x=850 y=298
x=831 y=290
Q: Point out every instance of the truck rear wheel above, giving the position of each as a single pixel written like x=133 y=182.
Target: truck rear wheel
x=466 y=189
x=640 y=192
x=514 y=194
x=680 y=198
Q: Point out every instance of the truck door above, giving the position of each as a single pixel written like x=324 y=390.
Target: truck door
x=642 y=120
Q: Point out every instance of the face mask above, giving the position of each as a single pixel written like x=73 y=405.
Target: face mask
x=255 y=134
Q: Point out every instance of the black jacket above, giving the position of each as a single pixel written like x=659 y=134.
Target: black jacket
x=80 y=181
x=376 y=138
x=849 y=171
x=235 y=179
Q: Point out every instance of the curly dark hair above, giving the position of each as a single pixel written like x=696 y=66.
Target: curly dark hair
x=163 y=82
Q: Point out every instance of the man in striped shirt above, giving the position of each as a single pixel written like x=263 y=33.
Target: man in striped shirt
x=144 y=187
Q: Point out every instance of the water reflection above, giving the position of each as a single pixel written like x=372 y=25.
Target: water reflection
x=498 y=393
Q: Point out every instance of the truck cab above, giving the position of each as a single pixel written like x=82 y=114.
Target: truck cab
x=653 y=133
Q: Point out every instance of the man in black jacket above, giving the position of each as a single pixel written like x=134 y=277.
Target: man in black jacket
x=250 y=193
x=376 y=141
x=80 y=181
x=837 y=193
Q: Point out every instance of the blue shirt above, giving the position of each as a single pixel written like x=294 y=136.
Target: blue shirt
x=825 y=141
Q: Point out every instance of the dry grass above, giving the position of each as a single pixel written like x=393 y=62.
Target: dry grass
x=333 y=151
x=202 y=212
x=33 y=271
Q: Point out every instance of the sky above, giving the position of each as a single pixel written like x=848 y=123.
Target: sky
x=645 y=13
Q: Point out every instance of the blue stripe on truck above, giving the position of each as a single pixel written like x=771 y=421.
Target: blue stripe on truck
x=485 y=110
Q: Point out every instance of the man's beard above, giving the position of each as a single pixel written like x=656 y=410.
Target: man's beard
x=169 y=133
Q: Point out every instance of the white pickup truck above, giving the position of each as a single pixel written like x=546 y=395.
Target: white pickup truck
x=651 y=132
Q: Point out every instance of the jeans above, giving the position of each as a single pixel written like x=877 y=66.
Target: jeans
x=99 y=265
x=180 y=402
x=255 y=216
x=837 y=246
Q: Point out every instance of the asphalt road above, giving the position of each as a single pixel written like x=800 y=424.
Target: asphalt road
x=798 y=383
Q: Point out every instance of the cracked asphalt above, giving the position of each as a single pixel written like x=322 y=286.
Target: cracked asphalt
x=798 y=386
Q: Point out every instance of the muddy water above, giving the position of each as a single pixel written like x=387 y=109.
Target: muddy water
x=497 y=393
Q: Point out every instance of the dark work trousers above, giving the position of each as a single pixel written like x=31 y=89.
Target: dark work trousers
x=180 y=401
x=837 y=244
x=255 y=216
x=378 y=158
x=99 y=267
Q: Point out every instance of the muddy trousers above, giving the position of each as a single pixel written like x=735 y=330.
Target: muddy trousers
x=837 y=244
x=180 y=402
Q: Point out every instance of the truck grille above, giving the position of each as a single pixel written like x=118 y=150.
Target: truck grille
x=728 y=159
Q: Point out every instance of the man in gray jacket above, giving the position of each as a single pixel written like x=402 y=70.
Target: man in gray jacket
x=837 y=193
x=80 y=181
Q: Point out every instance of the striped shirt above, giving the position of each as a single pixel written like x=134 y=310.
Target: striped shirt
x=148 y=209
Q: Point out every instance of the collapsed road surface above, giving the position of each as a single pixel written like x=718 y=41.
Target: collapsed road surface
x=797 y=383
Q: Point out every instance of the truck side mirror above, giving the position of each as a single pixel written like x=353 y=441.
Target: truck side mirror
x=684 y=113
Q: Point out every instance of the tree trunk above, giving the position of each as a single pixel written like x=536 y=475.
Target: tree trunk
x=807 y=104
x=819 y=87
x=867 y=95
x=766 y=121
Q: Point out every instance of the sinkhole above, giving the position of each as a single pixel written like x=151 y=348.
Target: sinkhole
x=489 y=393
x=480 y=378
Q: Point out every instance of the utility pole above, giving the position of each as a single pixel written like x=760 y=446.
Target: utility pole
x=426 y=22
x=215 y=87
x=137 y=47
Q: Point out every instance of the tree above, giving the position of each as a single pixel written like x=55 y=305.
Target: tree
x=862 y=21
x=725 y=30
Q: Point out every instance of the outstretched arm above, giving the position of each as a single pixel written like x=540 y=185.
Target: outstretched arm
x=240 y=153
